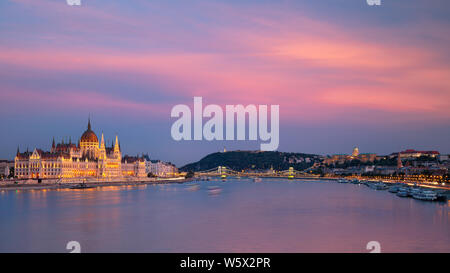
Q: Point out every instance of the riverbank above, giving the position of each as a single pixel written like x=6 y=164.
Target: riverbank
x=34 y=185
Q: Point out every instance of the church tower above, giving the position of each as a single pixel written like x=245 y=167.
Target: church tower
x=117 y=148
x=53 y=146
x=102 y=150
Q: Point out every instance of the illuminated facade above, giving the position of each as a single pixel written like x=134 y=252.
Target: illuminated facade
x=412 y=154
x=160 y=168
x=342 y=158
x=90 y=158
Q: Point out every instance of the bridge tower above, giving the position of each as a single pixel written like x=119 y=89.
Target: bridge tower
x=222 y=171
x=291 y=173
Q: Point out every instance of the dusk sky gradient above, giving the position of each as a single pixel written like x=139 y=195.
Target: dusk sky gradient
x=345 y=74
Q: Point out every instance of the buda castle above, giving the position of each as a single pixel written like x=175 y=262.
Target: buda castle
x=90 y=158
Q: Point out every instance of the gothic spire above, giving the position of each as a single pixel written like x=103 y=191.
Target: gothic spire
x=102 y=143
x=116 y=145
x=89 y=123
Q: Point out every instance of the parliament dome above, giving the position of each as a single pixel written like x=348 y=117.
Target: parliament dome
x=89 y=135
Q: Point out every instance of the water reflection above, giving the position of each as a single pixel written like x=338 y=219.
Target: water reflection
x=193 y=187
x=214 y=190
x=270 y=216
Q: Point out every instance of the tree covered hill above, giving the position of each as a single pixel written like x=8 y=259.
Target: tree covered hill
x=253 y=160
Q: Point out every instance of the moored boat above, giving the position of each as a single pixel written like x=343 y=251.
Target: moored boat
x=356 y=181
x=425 y=195
x=414 y=191
x=378 y=186
x=342 y=180
x=403 y=192
x=394 y=189
x=381 y=187
x=81 y=186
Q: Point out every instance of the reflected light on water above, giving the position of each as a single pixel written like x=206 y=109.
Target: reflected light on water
x=216 y=216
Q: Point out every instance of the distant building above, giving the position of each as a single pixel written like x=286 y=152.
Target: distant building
x=385 y=170
x=5 y=167
x=134 y=166
x=342 y=158
x=412 y=154
x=90 y=158
x=368 y=169
x=443 y=157
x=159 y=168
x=367 y=157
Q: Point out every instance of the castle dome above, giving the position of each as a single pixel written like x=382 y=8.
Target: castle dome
x=89 y=135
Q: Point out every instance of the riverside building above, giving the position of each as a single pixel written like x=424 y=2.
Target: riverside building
x=89 y=158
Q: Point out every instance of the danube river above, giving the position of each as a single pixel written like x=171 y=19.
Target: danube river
x=214 y=216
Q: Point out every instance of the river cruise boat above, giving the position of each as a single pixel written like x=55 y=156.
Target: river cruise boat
x=394 y=189
x=414 y=191
x=425 y=195
x=81 y=186
x=403 y=192
x=378 y=186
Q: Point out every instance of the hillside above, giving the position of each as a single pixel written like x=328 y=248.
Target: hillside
x=258 y=160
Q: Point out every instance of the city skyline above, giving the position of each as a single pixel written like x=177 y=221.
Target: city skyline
x=344 y=75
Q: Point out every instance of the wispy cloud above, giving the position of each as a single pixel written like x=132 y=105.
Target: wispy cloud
x=263 y=55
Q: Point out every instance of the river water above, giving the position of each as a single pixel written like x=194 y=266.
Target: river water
x=238 y=215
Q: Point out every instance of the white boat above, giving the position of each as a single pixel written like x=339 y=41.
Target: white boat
x=403 y=192
x=394 y=189
x=257 y=179
x=414 y=191
x=378 y=186
x=425 y=195
x=342 y=180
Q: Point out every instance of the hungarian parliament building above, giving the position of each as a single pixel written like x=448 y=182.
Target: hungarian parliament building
x=90 y=158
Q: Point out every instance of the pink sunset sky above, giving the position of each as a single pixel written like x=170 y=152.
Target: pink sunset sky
x=344 y=73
